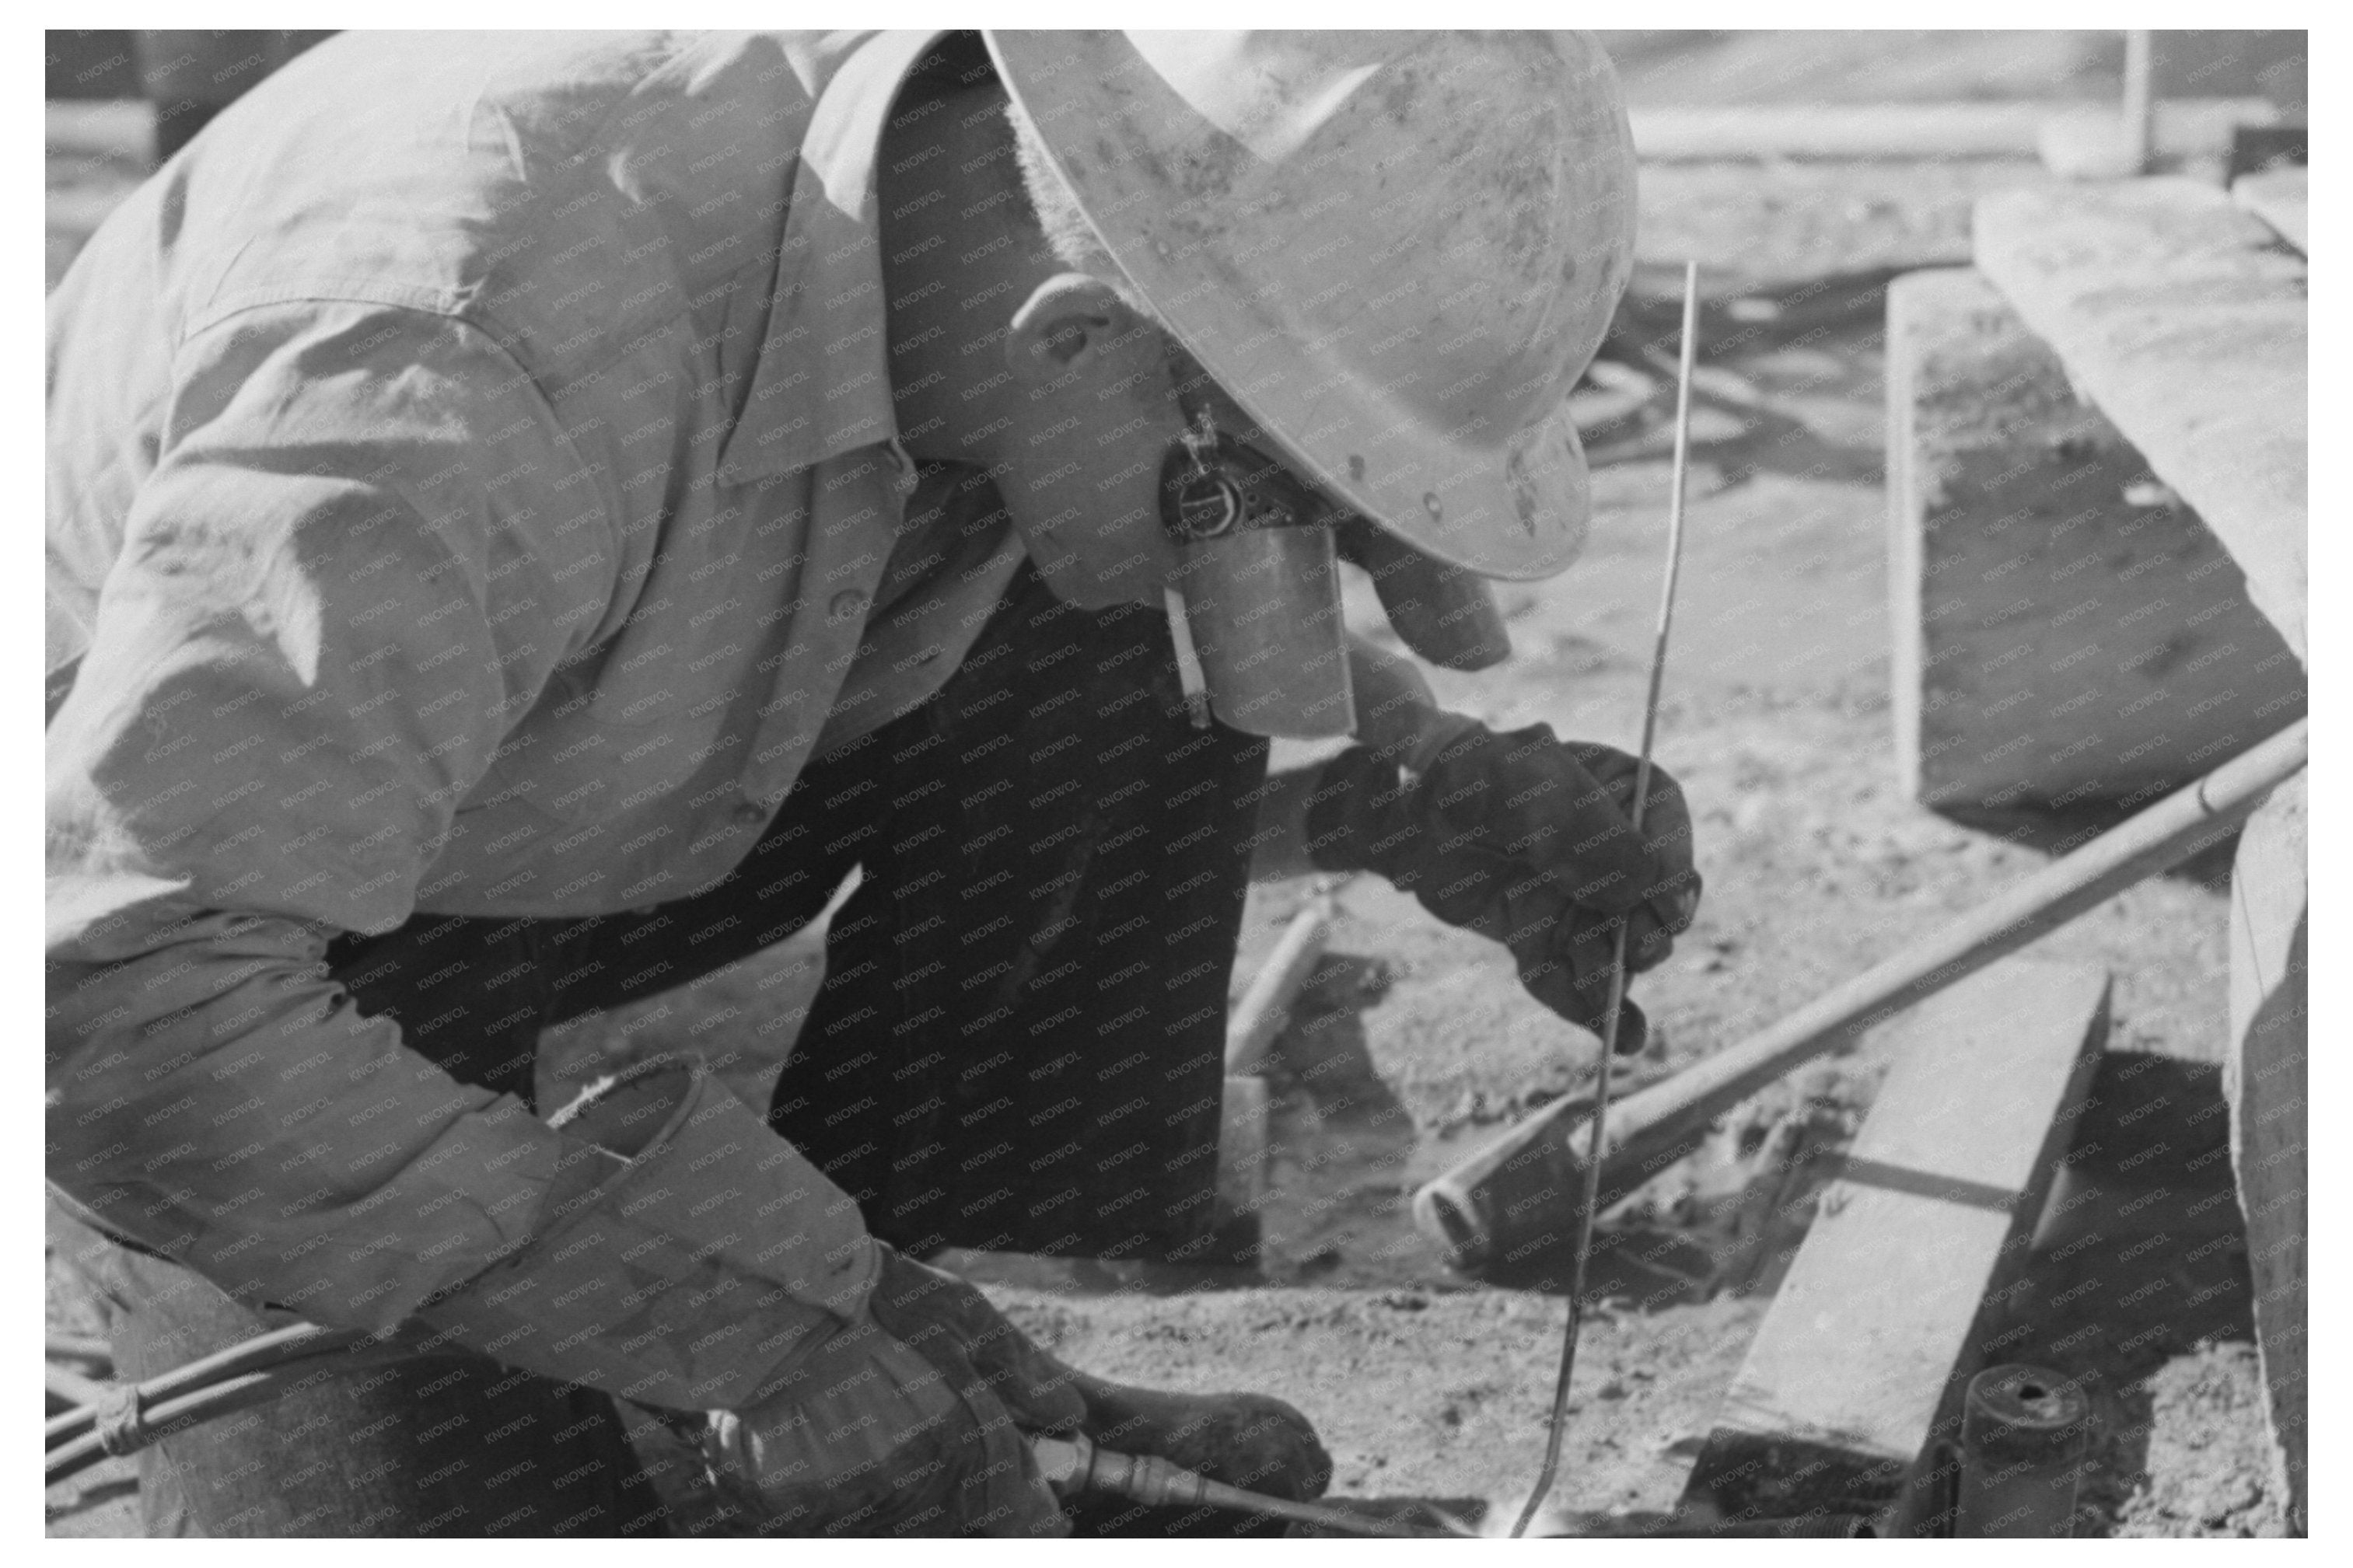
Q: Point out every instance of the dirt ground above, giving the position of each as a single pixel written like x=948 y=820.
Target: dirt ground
x=1415 y=1043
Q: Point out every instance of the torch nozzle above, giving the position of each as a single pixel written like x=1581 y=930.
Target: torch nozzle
x=1074 y=1465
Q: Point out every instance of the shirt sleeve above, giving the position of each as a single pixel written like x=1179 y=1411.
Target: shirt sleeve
x=356 y=563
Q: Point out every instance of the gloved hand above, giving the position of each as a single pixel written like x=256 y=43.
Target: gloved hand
x=1249 y=1440
x=1526 y=839
x=909 y=1421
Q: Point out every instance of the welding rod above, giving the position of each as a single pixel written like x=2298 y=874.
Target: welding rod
x=1600 y=1097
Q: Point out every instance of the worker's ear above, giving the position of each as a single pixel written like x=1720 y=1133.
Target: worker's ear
x=1072 y=323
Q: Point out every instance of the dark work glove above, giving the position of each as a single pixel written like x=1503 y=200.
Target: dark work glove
x=1525 y=839
x=909 y=1421
x=1244 y=1439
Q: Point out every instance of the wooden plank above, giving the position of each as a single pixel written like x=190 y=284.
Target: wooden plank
x=2186 y=128
x=2185 y=321
x=2101 y=142
x=1868 y=1345
x=2270 y=1127
x=2278 y=197
x=2063 y=630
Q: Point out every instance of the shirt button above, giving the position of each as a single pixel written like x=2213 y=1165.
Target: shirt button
x=750 y=812
x=847 y=602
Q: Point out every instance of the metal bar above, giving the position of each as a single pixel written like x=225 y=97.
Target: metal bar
x=2160 y=838
x=1474 y=1205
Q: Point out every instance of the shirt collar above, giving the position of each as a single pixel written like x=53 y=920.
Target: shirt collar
x=807 y=404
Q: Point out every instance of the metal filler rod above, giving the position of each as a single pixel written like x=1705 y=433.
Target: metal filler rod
x=1555 y=1424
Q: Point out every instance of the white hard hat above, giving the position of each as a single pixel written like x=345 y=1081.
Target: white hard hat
x=1396 y=251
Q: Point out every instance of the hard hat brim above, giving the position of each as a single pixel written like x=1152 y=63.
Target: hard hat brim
x=1514 y=505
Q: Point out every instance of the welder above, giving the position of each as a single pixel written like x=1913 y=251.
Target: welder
x=529 y=517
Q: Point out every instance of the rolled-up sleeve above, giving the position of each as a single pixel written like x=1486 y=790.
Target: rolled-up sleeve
x=342 y=586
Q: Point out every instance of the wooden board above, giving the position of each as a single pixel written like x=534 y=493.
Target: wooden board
x=2278 y=196
x=2186 y=128
x=1861 y=1359
x=2064 y=632
x=2184 y=320
x=2270 y=1130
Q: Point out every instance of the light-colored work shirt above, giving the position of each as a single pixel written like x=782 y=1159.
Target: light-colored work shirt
x=472 y=473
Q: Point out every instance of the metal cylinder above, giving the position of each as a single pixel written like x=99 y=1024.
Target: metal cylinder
x=2023 y=1432
x=1264 y=608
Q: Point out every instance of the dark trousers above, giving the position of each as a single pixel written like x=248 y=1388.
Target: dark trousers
x=1018 y=1045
